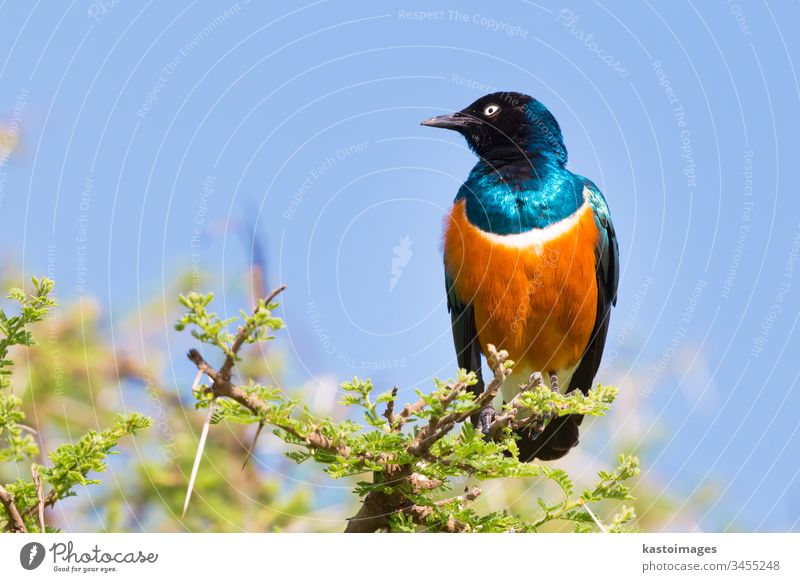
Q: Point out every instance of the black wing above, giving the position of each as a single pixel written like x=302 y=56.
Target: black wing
x=607 y=270
x=465 y=334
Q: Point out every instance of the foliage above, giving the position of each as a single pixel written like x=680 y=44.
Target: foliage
x=417 y=454
x=77 y=377
x=32 y=308
x=72 y=463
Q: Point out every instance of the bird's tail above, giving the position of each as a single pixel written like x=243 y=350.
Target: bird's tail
x=555 y=441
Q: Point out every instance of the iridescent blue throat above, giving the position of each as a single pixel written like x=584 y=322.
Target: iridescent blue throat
x=510 y=198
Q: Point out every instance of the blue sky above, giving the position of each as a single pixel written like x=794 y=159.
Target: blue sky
x=152 y=137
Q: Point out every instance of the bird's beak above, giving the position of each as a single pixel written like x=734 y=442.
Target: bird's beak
x=456 y=121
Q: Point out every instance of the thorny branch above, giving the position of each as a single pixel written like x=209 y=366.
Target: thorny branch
x=378 y=505
x=398 y=486
x=515 y=416
x=439 y=427
x=222 y=386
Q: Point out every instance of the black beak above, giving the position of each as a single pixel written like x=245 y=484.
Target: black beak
x=456 y=121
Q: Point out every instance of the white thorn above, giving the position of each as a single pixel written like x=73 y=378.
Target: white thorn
x=200 y=446
x=196 y=380
x=252 y=448
x=594 y=517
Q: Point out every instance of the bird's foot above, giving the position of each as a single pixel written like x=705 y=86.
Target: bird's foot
x=554 y=382
x=485 y=419
x=535 y=379
x=535 y=426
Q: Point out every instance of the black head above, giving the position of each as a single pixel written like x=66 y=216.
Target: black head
x=506 y=125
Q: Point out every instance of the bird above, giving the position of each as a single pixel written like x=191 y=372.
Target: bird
x=531 y=260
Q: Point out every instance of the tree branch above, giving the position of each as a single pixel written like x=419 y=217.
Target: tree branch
x=48 y=501
x=437 y=428
x=421 y=513
x=378 y=506
x=15 y=523
x=512 y=415
x=389 y=412
x=221 y=386
x=244 y=332
x=406 y=465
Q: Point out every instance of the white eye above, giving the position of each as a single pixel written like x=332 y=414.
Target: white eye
x=491 y=110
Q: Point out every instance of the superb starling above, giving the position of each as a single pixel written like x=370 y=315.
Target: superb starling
x=531 y=259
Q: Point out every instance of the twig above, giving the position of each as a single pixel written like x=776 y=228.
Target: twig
x=421 y=513
x=245 y=331
x=15 y=523
x=410 y=409
x=389 y=412
x=511 y=415
x=49 y=501
x=39 y=495
x=422 y=483
x=428 y=456
x=378 y=506
x=469 y=496
x=437 y=428
x=222 y=387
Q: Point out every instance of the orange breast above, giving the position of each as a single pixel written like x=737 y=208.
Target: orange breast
x=534 y=295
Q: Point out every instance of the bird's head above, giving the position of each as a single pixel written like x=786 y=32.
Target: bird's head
x=507 y=125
